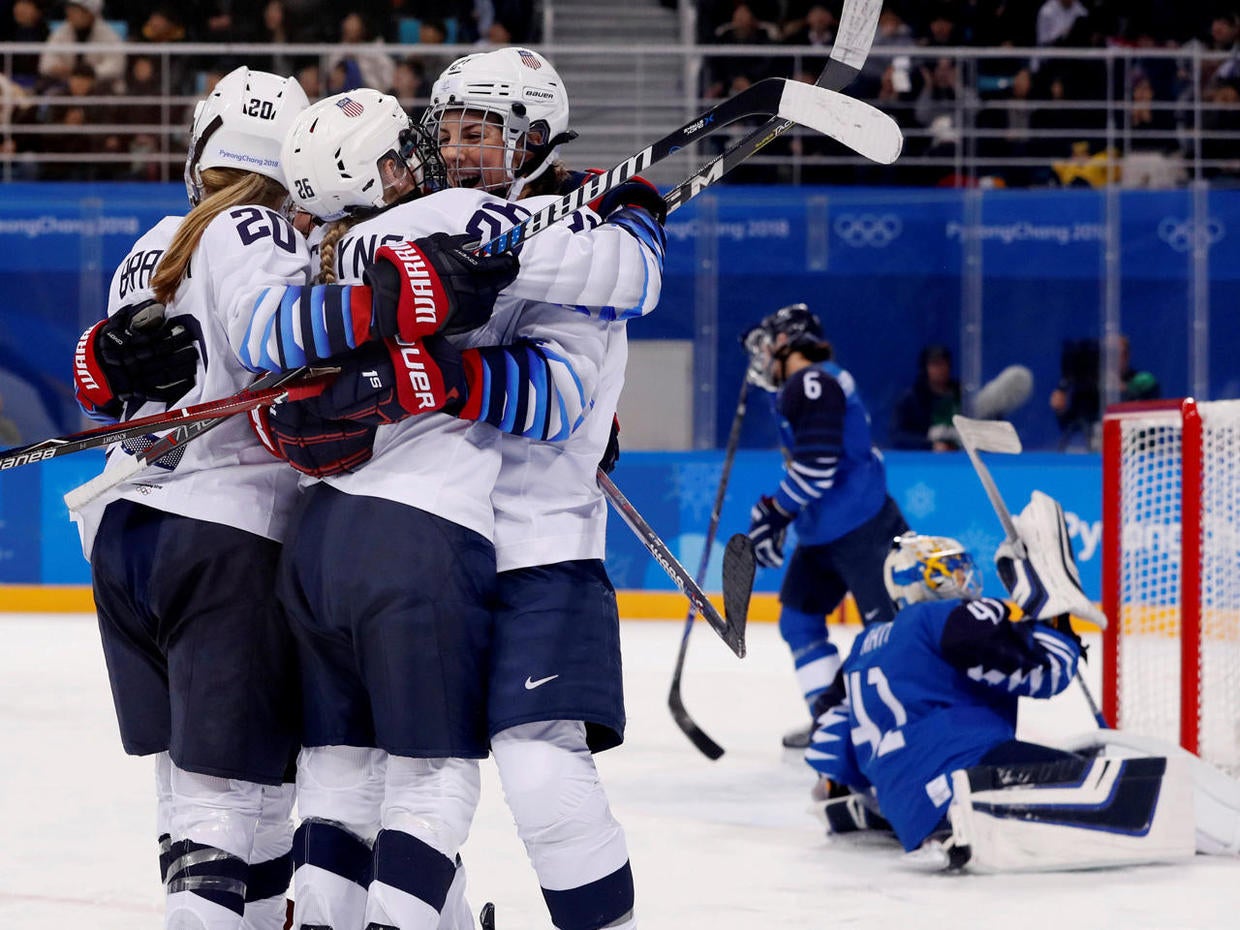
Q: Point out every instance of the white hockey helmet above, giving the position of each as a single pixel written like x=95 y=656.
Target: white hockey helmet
x=525 y=96
x=345 y=153
x=930 y=568
x=242 y=124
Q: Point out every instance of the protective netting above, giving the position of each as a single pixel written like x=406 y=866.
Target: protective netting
x=1150 y=684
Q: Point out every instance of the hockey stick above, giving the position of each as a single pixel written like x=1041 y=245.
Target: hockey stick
x=1000 y=436
x=863 y=128
x=675 y=703
x=731 y=630
x=263 y=391
x=858 y=22
x=273 y=388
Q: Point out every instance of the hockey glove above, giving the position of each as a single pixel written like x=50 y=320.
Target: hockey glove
x=635 y=192
x=385 y=382
x=611 y=455
x=134 y=355
x=1045 y=583
x=312 y=445
x=433 y=285
x=768 y=525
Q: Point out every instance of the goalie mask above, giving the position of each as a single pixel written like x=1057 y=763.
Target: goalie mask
x=498 y=117
x=789 y=329
x=358 y=151
x=929 y=568
x=242 y=124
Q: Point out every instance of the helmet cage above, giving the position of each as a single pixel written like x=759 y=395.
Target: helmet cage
x=930 y=568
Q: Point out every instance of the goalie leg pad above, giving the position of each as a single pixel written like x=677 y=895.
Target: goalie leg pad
x=1074 y=814
x=1216 y=795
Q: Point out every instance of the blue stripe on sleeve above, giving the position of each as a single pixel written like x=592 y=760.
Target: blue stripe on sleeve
x=538 y=378
x=513 y=382
x=294 y=355
x=318 y=323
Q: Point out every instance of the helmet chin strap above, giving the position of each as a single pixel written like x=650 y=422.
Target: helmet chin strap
x=552 y=153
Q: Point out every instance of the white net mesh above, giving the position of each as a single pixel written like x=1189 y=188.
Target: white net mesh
x=1150 y=687
x=1219 y=710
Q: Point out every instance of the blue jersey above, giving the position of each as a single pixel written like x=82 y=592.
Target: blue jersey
x=835 y=480
x=933 y=691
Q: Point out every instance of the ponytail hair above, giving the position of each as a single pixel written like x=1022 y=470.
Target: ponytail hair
x=327 y=246
x=224 y=188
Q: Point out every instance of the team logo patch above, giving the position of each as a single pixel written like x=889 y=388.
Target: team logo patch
x=350 y=106
x=529 y=59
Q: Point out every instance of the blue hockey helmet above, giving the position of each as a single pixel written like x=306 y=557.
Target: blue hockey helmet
x=789 y=329
x=930 y=568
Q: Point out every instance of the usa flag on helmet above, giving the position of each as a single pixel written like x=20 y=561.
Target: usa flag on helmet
x=529 y=59
x=350 y=106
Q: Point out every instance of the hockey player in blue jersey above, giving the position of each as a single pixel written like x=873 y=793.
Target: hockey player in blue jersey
x=923 y=715
x=936 y=689
x=834 y=493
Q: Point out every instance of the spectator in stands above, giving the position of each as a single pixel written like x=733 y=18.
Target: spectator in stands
x=409 y=84
x=370 y=68
x=1222 y=117
x=942 y=27
x=1013 y=120
x=923 y=415
x=892 y=30
x=1224 y=37
x=143 y=80
x=70 y=134
x=69 y=44
x=310 y=77
x=27 y=25
x=808 y=22
x=1076 y=400
x=166 y=25
x=815 y=29
x=226 y=21
x=945 y=107
x=276 y=29
x=743 y=29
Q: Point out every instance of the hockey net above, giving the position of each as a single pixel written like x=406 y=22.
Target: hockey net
x=1171 y=573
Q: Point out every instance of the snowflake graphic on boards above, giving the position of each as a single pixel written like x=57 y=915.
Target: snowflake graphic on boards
x=920 y=501
x=694 y=484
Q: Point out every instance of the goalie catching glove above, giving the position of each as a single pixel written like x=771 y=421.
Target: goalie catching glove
x=1045 y=582
x=134 y=355
x=434 y=285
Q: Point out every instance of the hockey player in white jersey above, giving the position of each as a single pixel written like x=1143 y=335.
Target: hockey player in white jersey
x=396 y=660
x=183 y=562
x=555 y=689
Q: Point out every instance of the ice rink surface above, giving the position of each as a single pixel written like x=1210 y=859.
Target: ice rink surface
x=727 y=845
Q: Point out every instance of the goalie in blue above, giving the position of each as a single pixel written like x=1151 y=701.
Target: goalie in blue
x=936 y=689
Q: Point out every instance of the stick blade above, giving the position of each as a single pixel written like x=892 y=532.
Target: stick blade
x=739 y=566
x=987 y=435
x=865 y=129
x=697 y=736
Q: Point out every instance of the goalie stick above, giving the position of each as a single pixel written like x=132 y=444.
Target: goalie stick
x=731 y=630
x=853 y=38
x=675 y=702
x=264 y=391
x=1000 y=436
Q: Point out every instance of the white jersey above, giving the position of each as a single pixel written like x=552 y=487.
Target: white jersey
x=225 y=475
x=547 y=503
x=447 y=466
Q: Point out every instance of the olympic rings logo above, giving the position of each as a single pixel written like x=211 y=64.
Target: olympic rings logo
x=868 y=230
x=1185 y=235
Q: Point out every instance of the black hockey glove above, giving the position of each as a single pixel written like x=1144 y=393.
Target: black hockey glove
x=611 y=455
x=768 y=525
x=134 y=355
x=433 y=285
x=312 y=445
x=384 y=382
x=1063 y=624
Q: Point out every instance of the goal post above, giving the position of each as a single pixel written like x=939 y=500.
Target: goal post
x=1171 y=573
